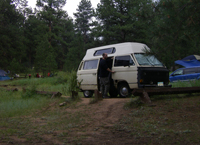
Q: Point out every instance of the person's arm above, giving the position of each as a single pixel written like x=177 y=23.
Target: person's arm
x=110 y=70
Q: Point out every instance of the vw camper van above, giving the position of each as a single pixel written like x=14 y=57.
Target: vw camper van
x=133 y=69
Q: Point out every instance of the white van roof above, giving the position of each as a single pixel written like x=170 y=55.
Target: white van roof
x=121 y=49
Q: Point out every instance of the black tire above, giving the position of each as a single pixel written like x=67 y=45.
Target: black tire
x=123 y=90
x=113 y=92
x=88 y=94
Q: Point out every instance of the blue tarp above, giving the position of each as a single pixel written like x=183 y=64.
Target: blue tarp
x=3 y=75
x=188 y=58
x=190 y=63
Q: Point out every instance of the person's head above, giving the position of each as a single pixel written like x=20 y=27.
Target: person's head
x=104 y=55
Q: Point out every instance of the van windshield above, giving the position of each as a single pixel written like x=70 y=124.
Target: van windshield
x=143 y=59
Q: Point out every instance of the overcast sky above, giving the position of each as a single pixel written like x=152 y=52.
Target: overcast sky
x=70 y=7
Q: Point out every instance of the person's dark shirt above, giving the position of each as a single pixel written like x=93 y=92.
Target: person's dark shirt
x=103 y=72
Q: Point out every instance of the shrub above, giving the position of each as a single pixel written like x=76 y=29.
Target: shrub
x=72 y=86
x=30 y=92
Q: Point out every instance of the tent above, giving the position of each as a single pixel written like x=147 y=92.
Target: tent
x=3 y=75
x=191 y=57
x=189 y=61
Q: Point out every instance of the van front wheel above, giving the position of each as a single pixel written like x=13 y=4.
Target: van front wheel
x=123 y=90
x=88 y=94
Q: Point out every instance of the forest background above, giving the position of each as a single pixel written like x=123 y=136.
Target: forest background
x=47 y=39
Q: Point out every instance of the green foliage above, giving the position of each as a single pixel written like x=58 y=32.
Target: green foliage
x=11 y=38
x=72 y=86
x=83 y=18
x=75 y=55
x=47 y=38
x=122 y=21
x=193 y=83
x=175 y=31
x=12 y=105
x=133 y=103
x=45 y=58
x=29 y=92
x=14 y=66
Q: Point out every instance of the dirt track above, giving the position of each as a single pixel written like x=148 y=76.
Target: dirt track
x=98 y=128
x=104 y=115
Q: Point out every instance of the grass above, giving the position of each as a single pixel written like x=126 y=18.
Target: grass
x=58 y=83
x=13 y=104
x=36 y=118
x=194 y=83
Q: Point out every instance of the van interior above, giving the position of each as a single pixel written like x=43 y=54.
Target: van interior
x=113 y=90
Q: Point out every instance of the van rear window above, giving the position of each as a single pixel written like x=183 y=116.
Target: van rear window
x=107 y=50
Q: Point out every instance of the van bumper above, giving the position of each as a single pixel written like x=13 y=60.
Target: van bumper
x=153 y=86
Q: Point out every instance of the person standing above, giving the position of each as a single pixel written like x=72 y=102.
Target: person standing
x=104 y=71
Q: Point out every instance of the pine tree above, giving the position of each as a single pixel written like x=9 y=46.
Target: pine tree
x=11 y=37
x=83 y=19
x=55 y=21
x=82 y=39
x=176 y=30
x=45 y=58
x=121 y=20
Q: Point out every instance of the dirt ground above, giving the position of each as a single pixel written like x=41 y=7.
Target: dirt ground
x=107 y=122
x=105 y=115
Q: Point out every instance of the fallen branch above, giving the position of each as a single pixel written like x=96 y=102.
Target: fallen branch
x=13 y=90
x=54 y=94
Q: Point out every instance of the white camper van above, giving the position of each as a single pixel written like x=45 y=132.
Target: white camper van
x=133 y=69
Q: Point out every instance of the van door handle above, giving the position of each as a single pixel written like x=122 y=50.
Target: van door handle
x=94 y=73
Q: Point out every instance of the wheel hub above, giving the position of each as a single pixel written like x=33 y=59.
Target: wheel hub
x=87 y=93
x=124 y=91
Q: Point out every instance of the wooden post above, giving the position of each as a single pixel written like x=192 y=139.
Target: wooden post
x=145 y=97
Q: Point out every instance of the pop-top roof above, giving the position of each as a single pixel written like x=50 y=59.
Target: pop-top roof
x=120 y=49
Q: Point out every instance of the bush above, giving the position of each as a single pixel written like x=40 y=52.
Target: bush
x=72 y=87
x=28 y=93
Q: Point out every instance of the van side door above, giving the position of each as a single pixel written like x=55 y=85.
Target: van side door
x=125 y=70
x=87 y=74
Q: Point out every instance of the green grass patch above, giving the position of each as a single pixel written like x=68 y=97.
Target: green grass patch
x=63 y=82
x=133 y=103
x=14 y=104
x=194 y=83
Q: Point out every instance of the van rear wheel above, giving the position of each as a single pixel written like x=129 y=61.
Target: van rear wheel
x=123 y=90
x=113 y=92
x=88 y=94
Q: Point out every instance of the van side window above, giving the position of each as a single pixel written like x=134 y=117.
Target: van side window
x=122 y=60
x=90 y=64
x=190 y=71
